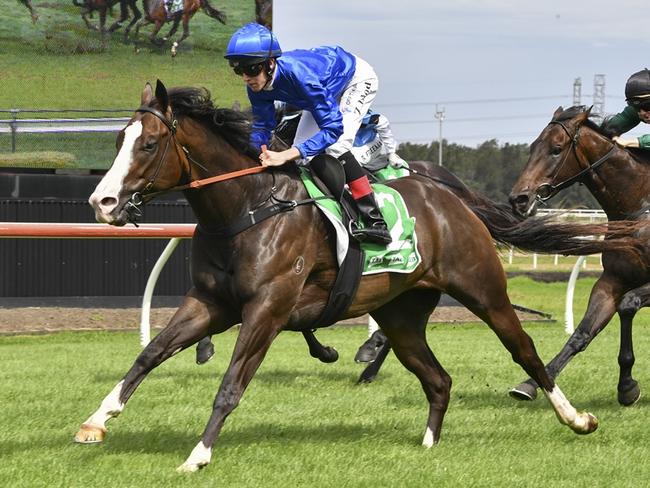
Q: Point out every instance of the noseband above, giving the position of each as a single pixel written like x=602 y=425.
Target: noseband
x=546 y=191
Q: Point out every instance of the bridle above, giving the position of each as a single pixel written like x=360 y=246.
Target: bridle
x=546 y=191
x=132 y=206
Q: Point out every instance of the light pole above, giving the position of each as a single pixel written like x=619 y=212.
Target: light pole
x=440 y=115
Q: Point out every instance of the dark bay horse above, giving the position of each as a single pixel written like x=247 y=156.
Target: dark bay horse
x=102 y=6
x=573 y=149
x=276 y=275
x=156 y=13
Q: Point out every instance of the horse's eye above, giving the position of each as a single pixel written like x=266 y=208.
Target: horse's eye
x=556 y=150
x=149 y=146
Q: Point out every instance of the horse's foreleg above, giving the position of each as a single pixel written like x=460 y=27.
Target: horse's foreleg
x=628 y=388
x=137 y=15
x=174 y=28
x=85 y=15
x=256 y=334
x=191 y=322
x=601 y=308
x=186 y=28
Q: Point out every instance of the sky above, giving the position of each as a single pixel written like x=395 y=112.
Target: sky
x=498 y=68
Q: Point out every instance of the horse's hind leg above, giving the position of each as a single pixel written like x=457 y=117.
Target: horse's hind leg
x=192 y=321
x=406 y=334
x=491 y=304
x=628 y=388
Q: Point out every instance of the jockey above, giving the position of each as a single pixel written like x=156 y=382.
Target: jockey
x=333 y=88
x=375 y=143
x=637 y=96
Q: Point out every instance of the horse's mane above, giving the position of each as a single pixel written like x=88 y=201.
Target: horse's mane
x=604 y=129
x=197 y=104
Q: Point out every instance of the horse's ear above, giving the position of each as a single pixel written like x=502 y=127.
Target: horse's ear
x=557 y=112
x=147 y=95
x=161 y=95
x=582 y=116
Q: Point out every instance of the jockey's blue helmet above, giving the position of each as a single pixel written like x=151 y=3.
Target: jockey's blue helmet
x=252 y=44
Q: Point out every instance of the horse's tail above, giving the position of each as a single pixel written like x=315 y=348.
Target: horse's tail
x=213 y=12
x=546 y=235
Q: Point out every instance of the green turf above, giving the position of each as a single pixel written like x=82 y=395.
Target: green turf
x=59 y=64
x=303 y=423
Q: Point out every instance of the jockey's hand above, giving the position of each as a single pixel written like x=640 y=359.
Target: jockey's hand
x=275 y=158
x=625 y=142
x=395 y=161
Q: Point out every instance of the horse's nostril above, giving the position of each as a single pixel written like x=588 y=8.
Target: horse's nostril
x=108 y=202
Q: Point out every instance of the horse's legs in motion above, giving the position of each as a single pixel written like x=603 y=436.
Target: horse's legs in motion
x=262 y=322
x=407 y=336
x=326 y=354
x=601 y=308
x=174 y=28
x=628 y=388
x=493 y=306
x=191 y=322
x=186 y=27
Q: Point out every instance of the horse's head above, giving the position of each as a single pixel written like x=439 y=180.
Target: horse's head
x=147 y=160
x=552 y=161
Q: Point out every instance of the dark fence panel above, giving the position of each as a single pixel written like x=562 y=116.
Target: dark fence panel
x=88 y=267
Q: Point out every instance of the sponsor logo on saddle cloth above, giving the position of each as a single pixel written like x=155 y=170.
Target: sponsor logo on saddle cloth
x=400 y=256
x=173 y=7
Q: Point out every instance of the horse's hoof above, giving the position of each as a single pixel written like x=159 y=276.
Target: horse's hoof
x=589 y=425
x=524 y=392
x=189 y=468
x=630 y=396
x=90 y=434
x=204 y=353
x=368 y=351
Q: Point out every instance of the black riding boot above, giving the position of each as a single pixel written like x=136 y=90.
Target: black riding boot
x=375 y=229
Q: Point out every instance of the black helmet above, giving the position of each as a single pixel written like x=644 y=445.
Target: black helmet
x=637 y=85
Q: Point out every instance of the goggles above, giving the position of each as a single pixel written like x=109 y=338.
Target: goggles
x=249 y=69
x=640 y=103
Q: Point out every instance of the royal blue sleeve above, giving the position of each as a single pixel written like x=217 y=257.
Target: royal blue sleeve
x=327 y=115
x=263 y=122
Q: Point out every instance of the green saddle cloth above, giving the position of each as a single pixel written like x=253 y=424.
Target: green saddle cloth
x=401 y=255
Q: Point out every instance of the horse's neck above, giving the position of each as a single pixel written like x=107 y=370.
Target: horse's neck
x=221 y=203
x=621 y=185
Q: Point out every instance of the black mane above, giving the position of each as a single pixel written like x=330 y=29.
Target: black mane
x=197 y=104
x=604 y=129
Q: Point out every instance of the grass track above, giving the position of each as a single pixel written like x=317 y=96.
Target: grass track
x=302 y=423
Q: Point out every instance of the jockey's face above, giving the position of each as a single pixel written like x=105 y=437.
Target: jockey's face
x=644 y=115
x=258 y=82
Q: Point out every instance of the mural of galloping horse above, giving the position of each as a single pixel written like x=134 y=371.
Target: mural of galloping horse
x=102 y=6
x=28 y=4
x=573 y=149
x=276 y=275
x=156 y=13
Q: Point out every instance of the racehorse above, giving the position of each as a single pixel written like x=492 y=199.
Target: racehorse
x=102 y=7
x=573 y=149
x=28 y=4
x=156 y=13
x=276 y=275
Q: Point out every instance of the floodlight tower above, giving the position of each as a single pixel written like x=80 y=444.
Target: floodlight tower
x=577 y=91
x=599 y=97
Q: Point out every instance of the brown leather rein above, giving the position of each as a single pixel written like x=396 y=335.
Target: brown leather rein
x=139 y=198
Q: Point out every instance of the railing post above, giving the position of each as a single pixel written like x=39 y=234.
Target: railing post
x=13 y=125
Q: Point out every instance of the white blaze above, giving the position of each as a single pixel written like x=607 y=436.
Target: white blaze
x=105 y=197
